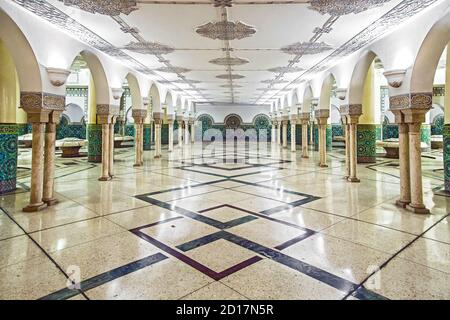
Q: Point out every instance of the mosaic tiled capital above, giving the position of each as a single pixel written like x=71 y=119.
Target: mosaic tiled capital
x=351 y=109
x=34 y=102
x=322 y=113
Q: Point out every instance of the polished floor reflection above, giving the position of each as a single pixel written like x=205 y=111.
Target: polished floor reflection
x=242 y=223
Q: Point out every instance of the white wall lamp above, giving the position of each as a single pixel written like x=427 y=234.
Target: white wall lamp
x=341 y=93
x=58 y=76
x=117 y=93
x=145 y=101
x=395 y=77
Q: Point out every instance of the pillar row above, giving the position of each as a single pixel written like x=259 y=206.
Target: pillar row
x=139 y=116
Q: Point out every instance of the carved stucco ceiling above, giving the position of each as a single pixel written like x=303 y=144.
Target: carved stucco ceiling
x=186 y=44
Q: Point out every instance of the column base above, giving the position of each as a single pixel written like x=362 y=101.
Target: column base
x=50 y=202
x=305 y=157
x=417 y=209
x=104 y=178
x=354 y=180
x=402 y=204
x=157 y=157
x=323 y=165
x=138 y=165
x=34 y=207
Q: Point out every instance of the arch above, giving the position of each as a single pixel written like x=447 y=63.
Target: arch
x=261 y=120
x=358 y=79
x=430 y=52
x=74 y=112
x=294 y=100
x=135 y=91
x=27 y=66
x=155 y=99
x=102 y=91
x=326 y=90
x=169 y=102
x=307 y=98
x=233 y=120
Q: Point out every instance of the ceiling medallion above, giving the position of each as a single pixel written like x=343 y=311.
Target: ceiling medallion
x=226 y=30
x=173 y=69
x=149 y=47
x=106 y=7
x=303 y=48
x=230 y=76
x=229 y=61
x=286 y=69
x=343 y=7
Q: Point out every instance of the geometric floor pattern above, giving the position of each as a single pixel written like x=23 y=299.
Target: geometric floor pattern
x=254 y=222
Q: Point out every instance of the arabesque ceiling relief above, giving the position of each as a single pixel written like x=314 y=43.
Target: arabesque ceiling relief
x=230 y=43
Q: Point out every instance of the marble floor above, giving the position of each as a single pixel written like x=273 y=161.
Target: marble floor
x=243 y=223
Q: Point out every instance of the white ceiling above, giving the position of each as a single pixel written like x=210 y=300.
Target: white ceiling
x=277 y=23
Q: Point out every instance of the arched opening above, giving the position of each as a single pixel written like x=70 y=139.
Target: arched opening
x=431 y=75
x=368 y=88
x=20 y=74
x=87 y=86
x=327 y=100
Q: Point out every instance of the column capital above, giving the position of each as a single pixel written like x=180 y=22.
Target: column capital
x=305 y=116
x=352 y=119
x=322 y=114
x=36 y=102
x=139 y=115
x=108 y=109
x=351 y=109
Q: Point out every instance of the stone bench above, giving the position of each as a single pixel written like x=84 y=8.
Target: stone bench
x=338 y=139
x=26 y=140
x=119 y=140
x=437 y=142
x=392 y=147
x=70 y=147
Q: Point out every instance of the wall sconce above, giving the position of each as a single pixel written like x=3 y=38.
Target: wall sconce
x=117 y=93
x=341 y=93
x=315 y=102
x=395 y=77
x=57 y=76
x=145 y=101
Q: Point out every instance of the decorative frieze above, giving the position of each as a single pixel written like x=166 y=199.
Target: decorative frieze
x=322 y=113
x=351 y=109
x=33 y=102
x=344 y=7
x=108 y=109
x=422 y=100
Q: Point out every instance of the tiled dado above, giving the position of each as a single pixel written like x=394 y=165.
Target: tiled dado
x=94 y=137
x=366 y=143
x=147 y=136
x=8 y=157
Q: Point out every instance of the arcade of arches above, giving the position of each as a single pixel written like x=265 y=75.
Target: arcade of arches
x=200 y=161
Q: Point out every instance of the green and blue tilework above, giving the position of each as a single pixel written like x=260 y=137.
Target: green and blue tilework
x=147 y=136
x=94 y=137
x=425 y=134
x=8 y=157
x=366 y=143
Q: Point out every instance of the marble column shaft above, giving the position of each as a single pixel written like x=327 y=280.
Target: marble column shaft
x=285 y=129
x=37 y=162
x=305 y=139
x=347 y=149
x=105 y=152
x=405 y=184
x=353 y=152
x=293 y=138
x=111 y=150
x=49 y=163
x=170 y=136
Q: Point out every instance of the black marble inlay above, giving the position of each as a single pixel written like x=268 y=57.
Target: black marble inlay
x=105 y=277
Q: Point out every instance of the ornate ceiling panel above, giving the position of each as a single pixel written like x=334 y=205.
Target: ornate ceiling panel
x=343 y=7
x=161 y=38
x=304 y=48
x=106 y=7
x=226 y=30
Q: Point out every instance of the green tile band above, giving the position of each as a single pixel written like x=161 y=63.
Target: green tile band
x=94 y=137
x=366 y=143
x=316 y=137
x=329 y=137
x=8 y=157
x=147 y=136
x=425 y=134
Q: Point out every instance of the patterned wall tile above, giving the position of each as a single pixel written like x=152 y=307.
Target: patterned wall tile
x=8 y=157
x=366 y=143
x=94 y=137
